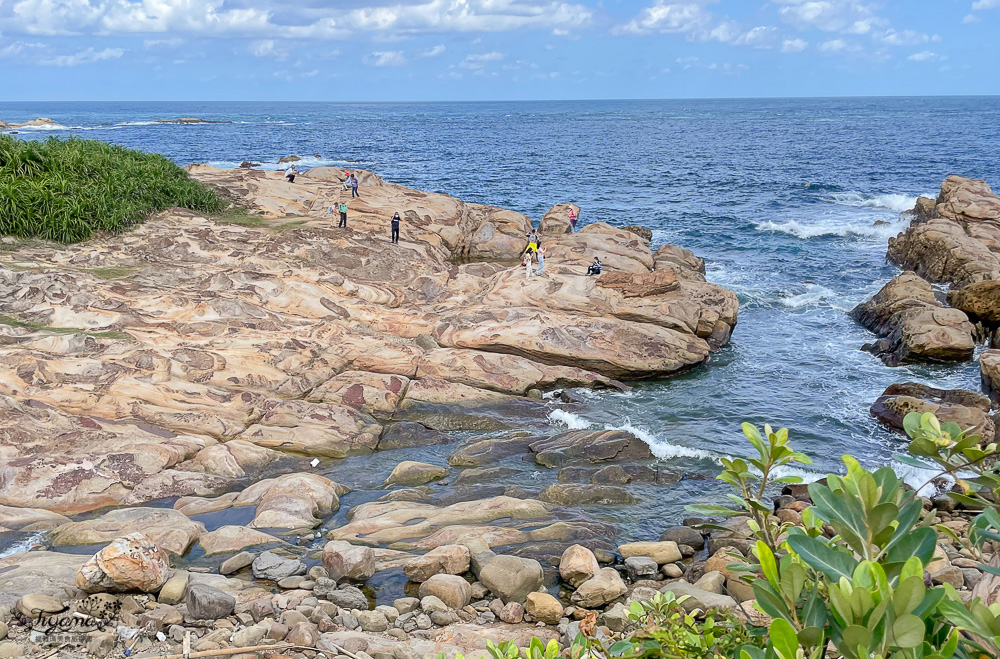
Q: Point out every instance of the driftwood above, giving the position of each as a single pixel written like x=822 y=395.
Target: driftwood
x=225 y=652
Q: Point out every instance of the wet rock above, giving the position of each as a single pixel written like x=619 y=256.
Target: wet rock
x=229 y=539
x=131 y=562
x=641 y=567
x=603 y=587
x=207 y=603
x=511 y=578
x=684 y=535
x=415 y=473
x=577 y=565
x=170 y=530
x=585 y=446
x=446 y=559
x=406 y=434
x=344 y=561
x=573 y=494
x=272 y=567
x=489 y=451
x=913 y=326
x=453 y=590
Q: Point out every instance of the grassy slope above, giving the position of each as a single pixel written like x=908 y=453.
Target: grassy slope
x=66 y=190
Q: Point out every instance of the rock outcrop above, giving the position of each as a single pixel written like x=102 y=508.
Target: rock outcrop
x=966 y=408
x=191 y=355
x=913 y=325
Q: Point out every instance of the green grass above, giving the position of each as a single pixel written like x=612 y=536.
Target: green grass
x=241 y=217
x=67 y=190
x=38 y=327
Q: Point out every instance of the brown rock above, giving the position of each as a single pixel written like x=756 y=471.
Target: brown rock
x=131 y=562
x=577 y=565
x=966 y=408
x=446 y=559
x=544 y=608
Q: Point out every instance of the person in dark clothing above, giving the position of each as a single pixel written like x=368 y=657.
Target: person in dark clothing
x=595 y=267
x=395 y=228
x=354 y=186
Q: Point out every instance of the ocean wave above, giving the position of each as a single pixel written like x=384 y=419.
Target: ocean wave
x=24 y=545
x=28 y=129
x=570 y=420
x=842 y=229
x=662 y=448
x=893 y=202
x=814 y=295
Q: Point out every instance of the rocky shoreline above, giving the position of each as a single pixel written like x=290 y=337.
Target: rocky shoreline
x=177 y=397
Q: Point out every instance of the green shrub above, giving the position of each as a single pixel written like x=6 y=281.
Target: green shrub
x=66 y=190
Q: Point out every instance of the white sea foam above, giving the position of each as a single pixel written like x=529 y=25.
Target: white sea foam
x=662 y=448
x=813 y=294
x=840 y=228
x=570 y=420
x=23 y=545
x=893 y=202
x=305 y=163
x=28 y=129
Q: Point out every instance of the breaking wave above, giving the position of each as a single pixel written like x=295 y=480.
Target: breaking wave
x=843 y=229
x=893 y=202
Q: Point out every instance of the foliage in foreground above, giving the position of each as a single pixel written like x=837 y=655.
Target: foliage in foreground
x=66 y=190
x=851 y=578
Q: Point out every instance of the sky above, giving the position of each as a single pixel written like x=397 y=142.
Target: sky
x=429 y=50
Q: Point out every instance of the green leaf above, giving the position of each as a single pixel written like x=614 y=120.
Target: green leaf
x=746 y=652
x=818 y=555
x=910 y=461
x=919 y=543
x=908 y=595
x=710 y=509
x=783 y=639
x=856 y=635
x=767 y=564
x=911 y=423
x=768 y=600
x=908 y=631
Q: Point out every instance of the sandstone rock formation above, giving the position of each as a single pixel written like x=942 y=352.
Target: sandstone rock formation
x=966 y=408
x=913 y=325
x=191 y=355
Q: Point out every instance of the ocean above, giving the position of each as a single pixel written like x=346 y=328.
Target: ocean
x=780 y=196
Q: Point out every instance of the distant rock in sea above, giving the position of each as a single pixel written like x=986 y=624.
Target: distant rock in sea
x=41 y=121
x=189 y=120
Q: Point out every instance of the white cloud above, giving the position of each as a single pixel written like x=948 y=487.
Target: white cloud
x=18 y=47
x=388 y=58
x=837 y=46
x=268 y=48
x=83 y=57
x=794 y=45
x=758 y=37
x=479 y=61
x=926 y=56
x=986 y=4
x=971 y=18
x=846 y=16
x=906 y=38
x=669 y=17
x=433 y=52
x=255 y=18
x=150 y=44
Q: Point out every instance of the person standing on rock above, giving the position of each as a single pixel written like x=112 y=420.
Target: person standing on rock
x=527 y=262
x=343 y=214
x=395 y=228
x=595 y=267
x=354 y=186
x=572 y=220
x=541 y=261
x=532 y=247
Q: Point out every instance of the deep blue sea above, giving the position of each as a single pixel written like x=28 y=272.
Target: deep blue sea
x=779 y=196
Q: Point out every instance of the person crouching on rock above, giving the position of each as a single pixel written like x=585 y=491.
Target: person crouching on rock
x=595 y=267
x=395 y=228
x=528 y=253
x=290 y=174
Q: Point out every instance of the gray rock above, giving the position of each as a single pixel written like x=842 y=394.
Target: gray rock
x=451 y=589
x=698 y=598
x=444 y=618
x=640 y=567
x=713 y=582
x=272 y=567
x=684 y=535
x=348 y=598
x=432 y=604
x=511 y=578
x=480 y=554
x=615 y=618
x=423 y=621
x=207 y=603
x=373 y=621
x=404 y=651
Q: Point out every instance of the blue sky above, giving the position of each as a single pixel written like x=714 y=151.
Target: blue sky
x=407 y=50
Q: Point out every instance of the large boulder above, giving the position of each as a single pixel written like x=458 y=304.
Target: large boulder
x=232 y=539
x=346 y=562
x=415 y=473
x=966 y=408
x=131 y=562
x=170 y=530
x=446 y=559
x=913 y=326
x=578 y=564
x=207 y=603
x=272 y=567
x=453 y=590
x=604 y=587
x=511 y=578
x=587 y=446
